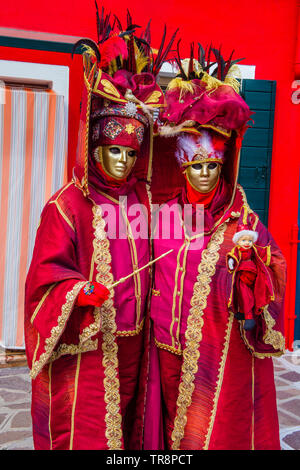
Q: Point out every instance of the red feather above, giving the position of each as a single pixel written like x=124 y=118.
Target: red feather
x=111 y=49
x=218 y=142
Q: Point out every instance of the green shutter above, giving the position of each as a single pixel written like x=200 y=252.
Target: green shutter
x=256 y=154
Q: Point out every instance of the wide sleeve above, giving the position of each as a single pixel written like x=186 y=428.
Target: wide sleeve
x=267 y=339
x=53 y=324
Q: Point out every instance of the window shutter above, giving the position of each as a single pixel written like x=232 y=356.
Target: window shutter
x=256 y=154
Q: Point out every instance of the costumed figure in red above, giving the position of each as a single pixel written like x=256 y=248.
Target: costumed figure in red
x=84 y=334
x=252 y=288
x=217 y=383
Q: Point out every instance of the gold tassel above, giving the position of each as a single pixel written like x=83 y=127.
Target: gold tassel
x=212 y=83
x=245 y=214
x=184 y=86
x=233 y=74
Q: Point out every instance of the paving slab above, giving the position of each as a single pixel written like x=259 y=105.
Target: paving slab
x=15 y=403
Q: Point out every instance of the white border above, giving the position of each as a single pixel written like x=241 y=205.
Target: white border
x=247 y=71
x=57 y=74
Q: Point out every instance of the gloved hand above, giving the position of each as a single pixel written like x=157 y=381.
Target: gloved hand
x=93 y=293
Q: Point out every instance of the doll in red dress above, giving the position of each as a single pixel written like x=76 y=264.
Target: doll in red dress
x=251 y=284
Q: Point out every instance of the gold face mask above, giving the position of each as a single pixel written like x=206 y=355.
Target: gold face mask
x=117 y=161
x=203 y=176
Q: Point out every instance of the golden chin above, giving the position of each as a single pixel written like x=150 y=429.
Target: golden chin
x=117 y=161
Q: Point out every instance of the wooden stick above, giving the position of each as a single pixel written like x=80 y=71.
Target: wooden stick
x=123 y=279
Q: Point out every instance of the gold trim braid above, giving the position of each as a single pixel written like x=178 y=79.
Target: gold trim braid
x=272 y=337
x=110 y=362
x=57 y=330
x=193 y=334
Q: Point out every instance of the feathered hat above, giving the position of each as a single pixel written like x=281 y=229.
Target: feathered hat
x=120 y=89
x=204 y=111
x=200 y=148
x=204 y=94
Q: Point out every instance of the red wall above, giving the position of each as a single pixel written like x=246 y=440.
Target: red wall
x=262 y=31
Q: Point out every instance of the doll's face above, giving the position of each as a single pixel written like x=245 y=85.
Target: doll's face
x=204 y=176
x=245 y=242
x=117 y=161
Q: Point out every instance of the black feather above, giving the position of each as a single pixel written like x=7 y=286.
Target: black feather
x=162 y=56
x=191 y=62
x=178 y=61
x=201 y=55
x=118 y=22
x=86 y=42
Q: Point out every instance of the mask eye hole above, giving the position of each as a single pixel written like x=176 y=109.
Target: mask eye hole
x=212 y=166
x=132 y=153
x=197 y=166
x=114 y=150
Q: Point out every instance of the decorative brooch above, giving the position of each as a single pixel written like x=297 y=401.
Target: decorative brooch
x=89 y=288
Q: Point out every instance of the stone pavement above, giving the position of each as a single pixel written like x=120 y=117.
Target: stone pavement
x=15 y=396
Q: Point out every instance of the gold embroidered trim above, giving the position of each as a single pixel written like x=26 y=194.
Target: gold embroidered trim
x=111 y=382
x=133 y=252
x=154 y=97
x=270 y=279
x=247 y=207
x=57 y=330
x=73 y=349
x=132 y=332
x=175 y=293
x=193 y=334
x=85 y=342
x=109 y=88
x=92 y=329
x=135 y=265
x=268 y=255
x=36 y=348
x=171 y=349
x=272 y=337
x=219 y=382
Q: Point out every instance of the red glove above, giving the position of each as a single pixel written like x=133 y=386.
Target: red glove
x=93 y=293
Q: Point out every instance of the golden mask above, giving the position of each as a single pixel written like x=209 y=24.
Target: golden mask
x=203 y=176
x=117 y=161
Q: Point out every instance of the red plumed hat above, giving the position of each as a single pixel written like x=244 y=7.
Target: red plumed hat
x=120 y=92
x=198 y=98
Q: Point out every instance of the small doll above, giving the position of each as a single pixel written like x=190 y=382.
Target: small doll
x=251 y=282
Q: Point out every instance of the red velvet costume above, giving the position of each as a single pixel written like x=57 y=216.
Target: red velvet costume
x=77 y=402
x=217 y=384
x=88 y=364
